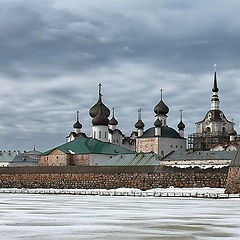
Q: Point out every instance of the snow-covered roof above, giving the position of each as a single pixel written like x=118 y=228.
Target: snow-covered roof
x=199 y=155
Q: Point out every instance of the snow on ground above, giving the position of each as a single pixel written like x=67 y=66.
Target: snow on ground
x=204 y=190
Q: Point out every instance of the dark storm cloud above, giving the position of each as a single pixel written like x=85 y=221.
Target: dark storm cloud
x=54 y=53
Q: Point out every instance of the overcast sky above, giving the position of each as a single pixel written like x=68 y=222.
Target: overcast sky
x=53 y=54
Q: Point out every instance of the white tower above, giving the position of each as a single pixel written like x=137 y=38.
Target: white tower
x=215 y=100
x=100 y=125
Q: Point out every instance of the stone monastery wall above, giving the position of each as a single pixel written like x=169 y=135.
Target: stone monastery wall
x=233 y=180
x=90 y=177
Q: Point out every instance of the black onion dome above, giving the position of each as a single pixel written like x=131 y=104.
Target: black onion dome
x=113 y=121
x=77 y=124
x=181 y=125
x=139 y=124
x=95 y=108
x=100 y=118
x=161 y=108
x=158 y=123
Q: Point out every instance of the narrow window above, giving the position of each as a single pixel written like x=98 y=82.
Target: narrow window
x=94 y=134
x=105 y=134
x=100 y=134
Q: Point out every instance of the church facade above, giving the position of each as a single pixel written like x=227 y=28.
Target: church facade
x=215 y=128
x=159 y=139
x=103 y=129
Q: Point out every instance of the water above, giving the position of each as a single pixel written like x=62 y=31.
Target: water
x=41 y=217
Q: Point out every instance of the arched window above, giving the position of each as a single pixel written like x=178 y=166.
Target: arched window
x=207 y=130
x=223 y=129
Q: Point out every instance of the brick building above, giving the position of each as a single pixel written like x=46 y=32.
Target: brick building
x=81 y=151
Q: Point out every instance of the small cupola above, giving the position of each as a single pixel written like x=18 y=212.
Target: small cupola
x=181 y=125
x=113 y=120
x=95 y=108
x=77 y=124
x=139 y=124
x=158 y=123
x=161 y=108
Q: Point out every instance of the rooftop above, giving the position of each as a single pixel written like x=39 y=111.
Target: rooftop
x=199 y=155
x=135 y=159
x=89 y=146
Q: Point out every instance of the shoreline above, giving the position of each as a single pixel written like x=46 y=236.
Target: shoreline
x=213 y=193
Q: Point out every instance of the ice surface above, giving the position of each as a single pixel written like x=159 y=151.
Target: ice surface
x=56 y=217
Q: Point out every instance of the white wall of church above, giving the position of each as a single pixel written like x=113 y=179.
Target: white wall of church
x=214 y=126
x=159 y=144
x=100 y=133
x=96 y=159
x=115 y=138
x=168 y=145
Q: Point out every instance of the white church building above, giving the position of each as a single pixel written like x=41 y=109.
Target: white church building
x=160 y=139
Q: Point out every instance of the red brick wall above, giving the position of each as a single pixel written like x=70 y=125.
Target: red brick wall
x=80 y=160
x=55 y=158
x=110 y=177
x=58 y=158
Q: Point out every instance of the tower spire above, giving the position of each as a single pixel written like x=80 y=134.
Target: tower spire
x=215 y=87
x=161 y=94
x=113 y=111
x=215 y=100
x=139 y=113
x=100 y=90
x=181 y=113
x=77 y=116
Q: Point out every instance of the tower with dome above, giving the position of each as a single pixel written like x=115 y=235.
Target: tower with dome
x=215 y=128
x=160 y=139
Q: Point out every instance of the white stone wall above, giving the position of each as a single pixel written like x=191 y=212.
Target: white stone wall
x=168 y=145
x=115 y=138
x=214 y=126
x=96 y=159
x=100 y=133
x=160 y=144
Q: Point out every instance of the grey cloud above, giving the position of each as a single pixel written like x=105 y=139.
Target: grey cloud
x=53 y=55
